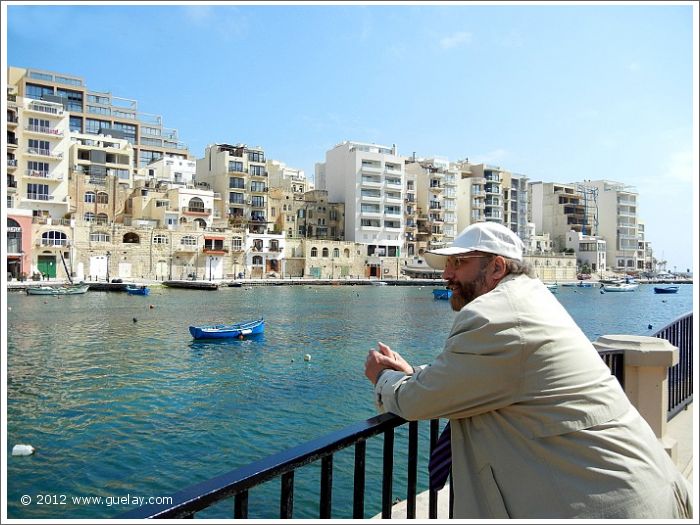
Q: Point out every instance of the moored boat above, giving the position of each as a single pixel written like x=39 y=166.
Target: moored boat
x=137 y=289
x=75 y=289
x=220 y=331
x=620 y=287
x=442 y=293
x=666 y=289
x=196 y=285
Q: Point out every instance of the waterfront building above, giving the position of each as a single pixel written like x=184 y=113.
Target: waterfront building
x=238 y=172
x=435 y=216
x=324 y=259
x=559 y=208
x=169 y=170
x=515 y=203
x=369 y=179
x=589 y=250
x=96 y=112
x=617 y=206
x=286 y=178
x=645 y=253
x=537 y=243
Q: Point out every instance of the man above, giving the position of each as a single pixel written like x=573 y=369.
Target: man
x=539 y=427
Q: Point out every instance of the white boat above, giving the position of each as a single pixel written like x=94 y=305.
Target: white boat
x=417 y=267
x=620 y=287
x=75 y=289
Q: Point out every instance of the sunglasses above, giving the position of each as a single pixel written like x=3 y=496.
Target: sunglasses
x=455 y=261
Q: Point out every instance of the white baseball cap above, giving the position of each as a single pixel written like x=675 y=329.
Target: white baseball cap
x=488 y=237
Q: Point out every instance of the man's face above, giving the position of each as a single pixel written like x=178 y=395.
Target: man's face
x=466 y=277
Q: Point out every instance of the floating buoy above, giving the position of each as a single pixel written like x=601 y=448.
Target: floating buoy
x=648 y=327
x=134 y=319
x=307 y=357
x=22 y=450
x=240 y=336
x=151 y=306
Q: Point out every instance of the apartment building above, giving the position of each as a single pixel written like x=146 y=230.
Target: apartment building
x=370 y=180
x=618 y=223
x=558 y=208
x=96 y=112
x=238 y=172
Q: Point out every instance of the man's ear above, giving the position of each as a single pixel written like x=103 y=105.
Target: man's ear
x=500 y=268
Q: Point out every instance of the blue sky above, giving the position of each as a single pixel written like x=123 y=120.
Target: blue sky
x=560 y=93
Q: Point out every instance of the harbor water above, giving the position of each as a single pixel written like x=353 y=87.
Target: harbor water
x=119 y=401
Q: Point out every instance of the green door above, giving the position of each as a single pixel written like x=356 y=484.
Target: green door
x=47 y=265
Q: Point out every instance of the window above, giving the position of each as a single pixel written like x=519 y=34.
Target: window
x=160 y=239
x=102 y=198
x=237 y=243
x=257 y=260
x=89 y=216
x=72 y=100
x=188 y=240
x=258 y=202
x=38 y=192
x=235 y=198
x=325 y=252
x=236 y=183
x=54 y=238
x=99 y=237
x=196 y=204
x=235 y=165
x=257 y=186
x=257 y=171
x=256 y=156
x=42 y=147
x=76 y=124
x=35 y=91
x=336 y=252
x=314 y=252
x=93 y=125
x=102 y=218
x=37 y=169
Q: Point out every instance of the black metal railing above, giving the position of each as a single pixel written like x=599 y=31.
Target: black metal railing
x=238 y=483
x=680 y=376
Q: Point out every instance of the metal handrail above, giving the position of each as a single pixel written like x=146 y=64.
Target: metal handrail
x=680 y=376
x=239 y=482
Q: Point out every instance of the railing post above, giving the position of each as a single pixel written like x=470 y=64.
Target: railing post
x=646 y=363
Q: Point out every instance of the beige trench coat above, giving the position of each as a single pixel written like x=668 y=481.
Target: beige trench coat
x=540 y=428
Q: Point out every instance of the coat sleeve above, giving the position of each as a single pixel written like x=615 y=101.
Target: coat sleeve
x=478 y=371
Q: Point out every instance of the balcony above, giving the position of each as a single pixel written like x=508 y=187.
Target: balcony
x=12 y=163
x=40 y=152
x=42 y=130
x=195 y=211
x=46 y=108
x=39 y=197
x=12 y=142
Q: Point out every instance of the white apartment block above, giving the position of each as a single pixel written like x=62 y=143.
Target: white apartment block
x=618 y=222
x=170 y=170
x=479 y=194
x=590 y=250
x=370 y=180
x=38 y=144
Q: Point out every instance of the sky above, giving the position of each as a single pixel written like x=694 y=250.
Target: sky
x=558 y=93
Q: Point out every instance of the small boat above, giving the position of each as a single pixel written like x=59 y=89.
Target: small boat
x=137 y=290
x=220 y=331
x=620 y=287
x=378 y=283
x=666 y=289
x=582 y=284
x=194 y=285
x=75 y=289
x=552 y=287
x=442 y=293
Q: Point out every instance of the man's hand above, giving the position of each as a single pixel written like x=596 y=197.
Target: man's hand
x=385 y=357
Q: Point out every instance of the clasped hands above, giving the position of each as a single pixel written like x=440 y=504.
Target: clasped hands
x=383 y=358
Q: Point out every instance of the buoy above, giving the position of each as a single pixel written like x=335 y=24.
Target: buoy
x=151 y=306
x=240 y=336
x=134 y=319
x=22 y=450
x=307 y=357
x=648 y=327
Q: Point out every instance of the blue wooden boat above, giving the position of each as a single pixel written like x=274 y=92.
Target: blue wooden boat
x=137 y=290
x=221 y=331
x=442 y=293
x=666 y=289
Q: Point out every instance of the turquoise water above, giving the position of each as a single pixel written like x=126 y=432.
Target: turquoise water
x=119 y=400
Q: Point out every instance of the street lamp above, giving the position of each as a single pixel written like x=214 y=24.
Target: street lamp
x=108 y=255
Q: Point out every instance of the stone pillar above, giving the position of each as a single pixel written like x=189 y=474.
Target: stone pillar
x=646 y=363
